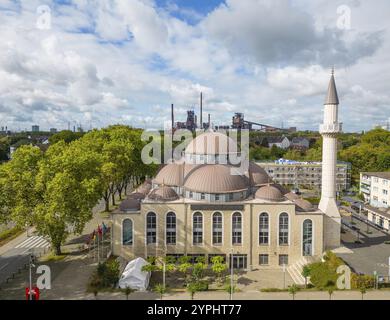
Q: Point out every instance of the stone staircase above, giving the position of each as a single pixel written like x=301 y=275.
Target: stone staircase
x=295 y=270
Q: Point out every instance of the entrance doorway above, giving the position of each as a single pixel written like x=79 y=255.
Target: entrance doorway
x=240 y=261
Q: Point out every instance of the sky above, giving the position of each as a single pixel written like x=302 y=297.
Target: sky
x=96 y=63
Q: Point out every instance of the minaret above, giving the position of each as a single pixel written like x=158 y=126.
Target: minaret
x=329 y=130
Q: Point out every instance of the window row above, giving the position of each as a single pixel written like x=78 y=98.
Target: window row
x=217 y=230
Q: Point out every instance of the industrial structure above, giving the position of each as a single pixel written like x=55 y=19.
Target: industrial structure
x=238 y=122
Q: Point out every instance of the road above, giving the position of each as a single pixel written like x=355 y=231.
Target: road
x=14 y=255
x=17 y=258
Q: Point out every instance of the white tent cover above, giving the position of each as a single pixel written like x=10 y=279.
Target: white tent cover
x=134 y=277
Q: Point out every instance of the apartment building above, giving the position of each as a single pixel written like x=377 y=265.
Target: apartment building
x=375 y=187
x=305 y=174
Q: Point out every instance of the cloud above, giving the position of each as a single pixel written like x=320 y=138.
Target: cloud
x=271 y=32
x=111 y=61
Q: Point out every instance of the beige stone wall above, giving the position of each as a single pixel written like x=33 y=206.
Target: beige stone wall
x=250 y=230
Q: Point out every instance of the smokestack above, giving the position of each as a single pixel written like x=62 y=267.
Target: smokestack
x=201 y=110
x=172 y=127
x=209 y=122
x=172 y=118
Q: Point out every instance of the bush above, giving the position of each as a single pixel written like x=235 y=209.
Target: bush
x=323 y=274
x=105 y=276
x=362 y=281
x=199 y=285
x=273 y=290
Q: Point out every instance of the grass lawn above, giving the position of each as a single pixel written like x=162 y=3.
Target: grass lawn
x=10 y=234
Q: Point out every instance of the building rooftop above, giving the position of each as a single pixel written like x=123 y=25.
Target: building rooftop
x=382 y=175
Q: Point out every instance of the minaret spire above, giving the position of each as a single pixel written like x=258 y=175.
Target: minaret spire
x=332 y=96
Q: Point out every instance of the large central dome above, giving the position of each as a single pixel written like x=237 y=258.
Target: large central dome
x=216 y=179
x=212 y=143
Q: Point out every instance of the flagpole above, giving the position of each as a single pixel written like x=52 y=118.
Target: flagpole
x=98 y=249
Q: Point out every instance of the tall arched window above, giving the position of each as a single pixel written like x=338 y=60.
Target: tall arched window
x=197 y=228
x=217 y=228
x=171 y=228
x=283 y=229
x=151 y=228
x=307 y=237
x=236 y=228
x=127 y=232
x=263 y=228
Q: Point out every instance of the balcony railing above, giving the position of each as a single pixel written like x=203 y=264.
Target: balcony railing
x=331 y=127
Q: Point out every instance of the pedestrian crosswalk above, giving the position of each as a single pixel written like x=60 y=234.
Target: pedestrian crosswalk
x=34 y=242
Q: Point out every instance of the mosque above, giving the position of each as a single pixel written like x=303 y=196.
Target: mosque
x=204 y=206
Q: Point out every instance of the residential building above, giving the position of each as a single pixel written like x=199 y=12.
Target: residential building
x=280 y=142
x=375 y=187
x=305 y=173
x=300 y=143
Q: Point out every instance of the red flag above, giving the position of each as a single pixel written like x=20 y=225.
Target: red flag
x=99 y=230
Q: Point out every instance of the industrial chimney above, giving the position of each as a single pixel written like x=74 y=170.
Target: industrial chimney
x=201 y=110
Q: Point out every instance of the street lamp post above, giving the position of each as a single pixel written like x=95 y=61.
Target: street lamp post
x=231 y=276
x=31 y=265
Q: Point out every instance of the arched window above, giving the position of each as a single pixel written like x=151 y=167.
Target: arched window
x=283 y=229
x=151 y=228
x=127 y=232
x=197 y=228
x=217 y=228
x=171 y=228
x=263 y=228
x=236 y=228
x=307 y=237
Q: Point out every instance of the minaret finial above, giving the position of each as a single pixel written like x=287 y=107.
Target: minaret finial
x=333 y=70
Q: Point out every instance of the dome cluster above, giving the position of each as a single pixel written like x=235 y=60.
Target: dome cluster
x=206 y=174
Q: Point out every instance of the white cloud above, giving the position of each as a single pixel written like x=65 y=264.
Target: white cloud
x=111 y=61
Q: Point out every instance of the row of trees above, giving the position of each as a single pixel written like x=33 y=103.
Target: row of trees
x=56 y=190
x=192 y=272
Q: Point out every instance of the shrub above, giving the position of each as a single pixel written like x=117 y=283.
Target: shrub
x=323 y=274
x=105 y=276
x=362 y=281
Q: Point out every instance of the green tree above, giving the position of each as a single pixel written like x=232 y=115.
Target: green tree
x=66 y=135
x=160 y=289
x=363 y=291
x=128 y=291
x=184 y=265
x=293 y=289
x=330 y=292
x=192 y=288
x=306 y=273
x=69 y=185
x=219 y=267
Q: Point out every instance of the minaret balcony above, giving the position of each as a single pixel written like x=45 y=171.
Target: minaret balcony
x=331 y=128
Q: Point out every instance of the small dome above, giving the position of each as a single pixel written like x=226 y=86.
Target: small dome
x=291 y=196
x=130 y=205
x=136 y=195
x=258 y=175
x=270 y=193
x=212 y=143
x=303 y=205
x=282 y=189
x=163 y=193
x=216 y=179
x=170 y=175
x=144 y=188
